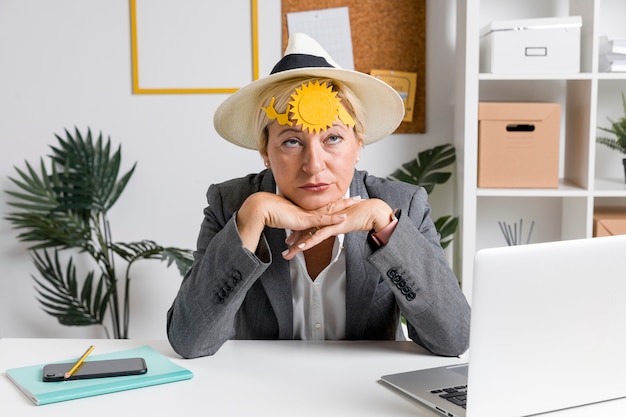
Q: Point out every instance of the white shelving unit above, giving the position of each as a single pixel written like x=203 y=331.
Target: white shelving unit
x=590 y=175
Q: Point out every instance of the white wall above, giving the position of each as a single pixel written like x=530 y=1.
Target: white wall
x=66 y=64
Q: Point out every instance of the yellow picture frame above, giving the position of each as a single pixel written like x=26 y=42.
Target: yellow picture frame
x=136 y=86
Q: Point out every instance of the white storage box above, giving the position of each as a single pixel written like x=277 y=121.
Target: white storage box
x=531 y=46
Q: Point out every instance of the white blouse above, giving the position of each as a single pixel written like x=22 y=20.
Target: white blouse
x=319 y=307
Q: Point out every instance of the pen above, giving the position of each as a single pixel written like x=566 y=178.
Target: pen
x=78 y=363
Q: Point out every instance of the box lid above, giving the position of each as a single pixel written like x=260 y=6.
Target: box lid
x=523 y=111
x=532 y=24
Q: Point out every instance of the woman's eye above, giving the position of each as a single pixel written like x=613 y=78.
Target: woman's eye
x=334 y=139
x=290 y=143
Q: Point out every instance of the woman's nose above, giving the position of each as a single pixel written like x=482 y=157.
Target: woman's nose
x=313 y=162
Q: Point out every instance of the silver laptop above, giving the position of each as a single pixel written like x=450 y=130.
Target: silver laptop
x=548 y=332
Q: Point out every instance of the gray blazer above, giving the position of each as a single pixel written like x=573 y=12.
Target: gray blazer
x=231 y=292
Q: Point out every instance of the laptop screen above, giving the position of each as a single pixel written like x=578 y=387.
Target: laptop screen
x=548 y=324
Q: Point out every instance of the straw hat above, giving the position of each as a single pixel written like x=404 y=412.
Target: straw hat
x=383 y=107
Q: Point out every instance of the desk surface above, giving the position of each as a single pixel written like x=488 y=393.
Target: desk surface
x=262 y=378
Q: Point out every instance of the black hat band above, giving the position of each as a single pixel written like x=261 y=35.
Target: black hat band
x=296 y=61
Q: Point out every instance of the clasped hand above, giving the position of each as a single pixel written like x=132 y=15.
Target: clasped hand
x=309 y=227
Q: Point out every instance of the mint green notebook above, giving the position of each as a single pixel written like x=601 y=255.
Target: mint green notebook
x=160 y=371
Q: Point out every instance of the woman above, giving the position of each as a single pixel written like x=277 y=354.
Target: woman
x=311 y=248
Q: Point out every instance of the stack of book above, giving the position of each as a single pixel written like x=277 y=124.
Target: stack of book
x=612 y=54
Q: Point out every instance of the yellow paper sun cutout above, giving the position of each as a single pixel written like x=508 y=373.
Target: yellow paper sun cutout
x=314 y=106
x=281 y=118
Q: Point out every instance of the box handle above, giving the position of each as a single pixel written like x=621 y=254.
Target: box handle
x=536 y=51
x=520 y=128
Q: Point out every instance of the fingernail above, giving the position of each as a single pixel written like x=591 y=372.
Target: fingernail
x=356 y=198
x=285 y=252
x=342 y=216
x=301 y=245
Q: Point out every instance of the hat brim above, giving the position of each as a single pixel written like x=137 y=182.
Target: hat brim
x=383 y=107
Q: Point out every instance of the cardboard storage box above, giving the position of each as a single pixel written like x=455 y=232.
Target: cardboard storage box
x=518 y=145
x=531 y=46
x=609 y=221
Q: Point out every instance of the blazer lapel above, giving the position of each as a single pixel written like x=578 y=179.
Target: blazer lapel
x=276 y=280
x=359 y=288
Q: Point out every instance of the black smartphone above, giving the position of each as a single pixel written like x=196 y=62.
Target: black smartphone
x=95 y=369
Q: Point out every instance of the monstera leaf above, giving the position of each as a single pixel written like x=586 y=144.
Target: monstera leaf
x=425 y=171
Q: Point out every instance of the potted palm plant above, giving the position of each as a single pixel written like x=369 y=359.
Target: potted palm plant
x=425 y=170
x=618 y=130
x=61 y=210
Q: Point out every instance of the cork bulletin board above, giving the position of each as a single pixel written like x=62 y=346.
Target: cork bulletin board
x=385 y=35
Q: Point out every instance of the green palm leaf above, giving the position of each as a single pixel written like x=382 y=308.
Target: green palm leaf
x=62 y=230
x=618 y=128
x=64 y=205
x=60 y=295
x=148 y=249
x=90 y=180
x=40 y=216
x=181 y=257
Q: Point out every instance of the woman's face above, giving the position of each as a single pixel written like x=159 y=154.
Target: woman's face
x=312 y=169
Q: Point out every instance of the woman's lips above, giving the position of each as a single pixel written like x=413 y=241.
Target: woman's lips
x=315 y=187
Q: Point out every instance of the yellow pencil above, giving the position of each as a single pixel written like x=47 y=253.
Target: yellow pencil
x=78 y=363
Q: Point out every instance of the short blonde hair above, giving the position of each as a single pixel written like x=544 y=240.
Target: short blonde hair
x=282 y=92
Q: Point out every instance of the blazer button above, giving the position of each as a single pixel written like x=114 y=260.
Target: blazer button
x=410 y=296
x=392 y=272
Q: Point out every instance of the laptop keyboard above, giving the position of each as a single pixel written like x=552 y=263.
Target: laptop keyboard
x=456 y=395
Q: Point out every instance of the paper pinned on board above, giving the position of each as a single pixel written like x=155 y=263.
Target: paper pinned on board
x=330 y=28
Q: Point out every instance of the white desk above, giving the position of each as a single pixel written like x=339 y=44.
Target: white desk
x=245 y=378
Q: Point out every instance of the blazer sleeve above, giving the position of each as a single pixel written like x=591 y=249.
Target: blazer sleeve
x=202 y=316
x=424 y=286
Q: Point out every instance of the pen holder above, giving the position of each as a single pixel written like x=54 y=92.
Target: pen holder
x=514 y=234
